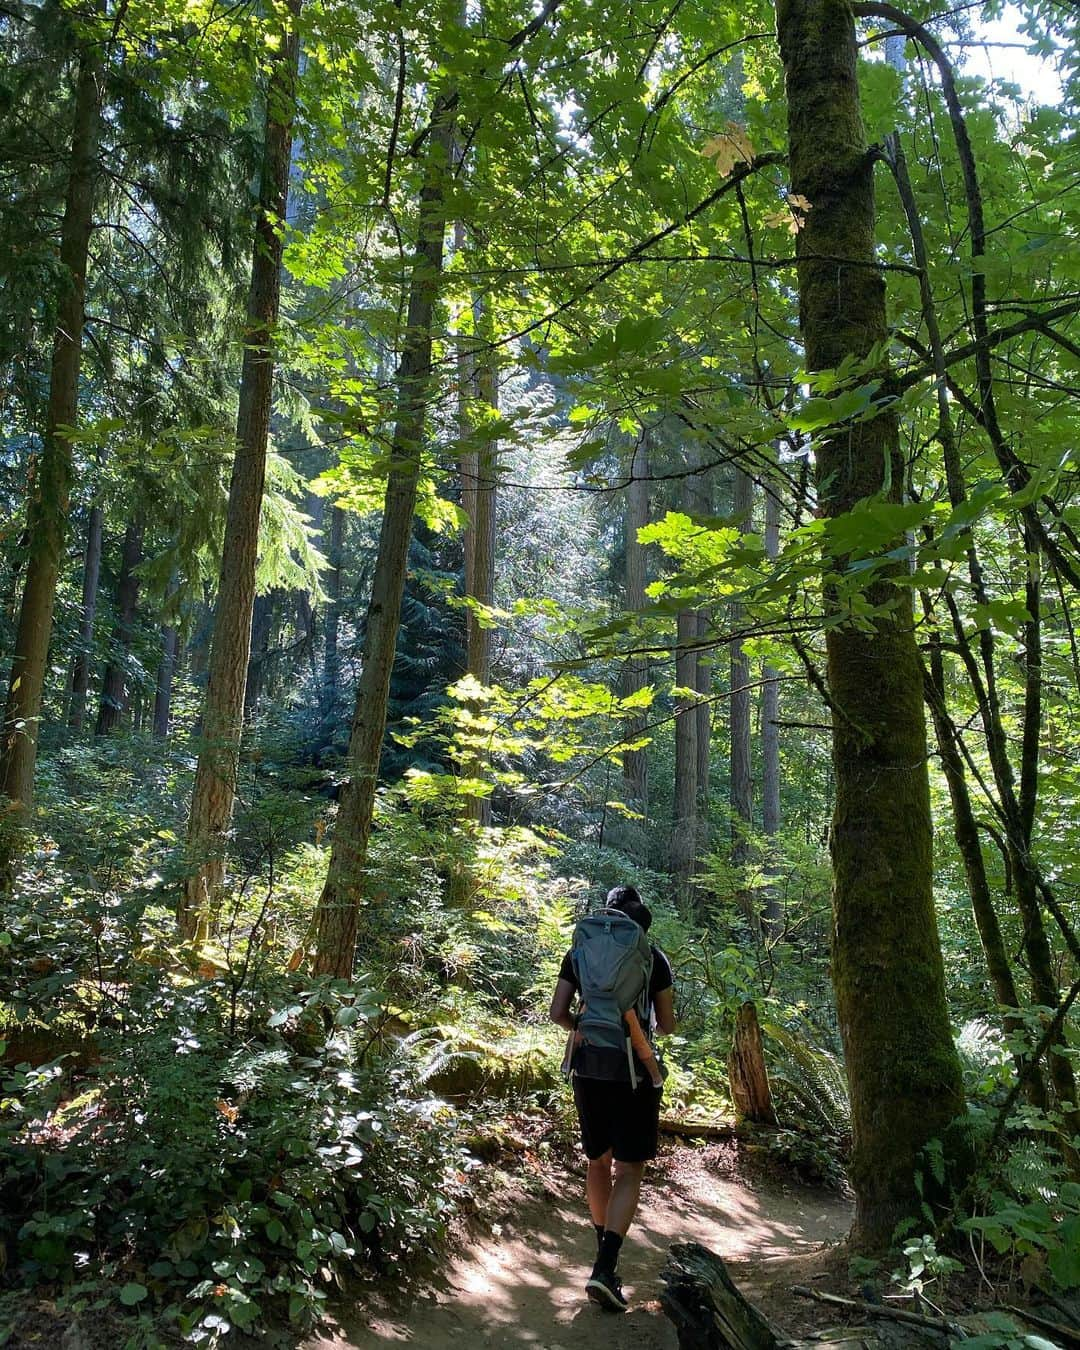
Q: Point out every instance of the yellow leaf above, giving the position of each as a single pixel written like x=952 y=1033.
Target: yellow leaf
x=792 y=216
x=732 y=146
x=781 y=220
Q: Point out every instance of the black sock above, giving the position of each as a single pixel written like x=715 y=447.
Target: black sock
x=608 y=1257
x=599 y=1234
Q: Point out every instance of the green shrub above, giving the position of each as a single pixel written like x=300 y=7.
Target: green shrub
x=222 y=1180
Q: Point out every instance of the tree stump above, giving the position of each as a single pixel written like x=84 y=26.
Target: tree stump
x=746 y=1070
x=707 y=1309
x=709 y=1313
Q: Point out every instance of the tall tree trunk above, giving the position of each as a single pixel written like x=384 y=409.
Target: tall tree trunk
x=966 y=834
x=223 y=710
x=114 y=692
x=699 y=503
x=740 y=703
x=483 y=543
x=684 y=822
x=468 y=459
x=307 y=625
x=80 y=672
x=773 y=916
x=478 y=468
x=337 y=915
x=636 y=677
x=331 y=678
x=49 y=488
x=888 y=974
x=170 y=650
x=1036 y=944
x=262 y=622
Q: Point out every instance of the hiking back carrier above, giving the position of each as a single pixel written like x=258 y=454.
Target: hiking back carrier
x=612 y=961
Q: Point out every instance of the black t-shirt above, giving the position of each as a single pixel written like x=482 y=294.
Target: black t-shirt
x=610 y=1064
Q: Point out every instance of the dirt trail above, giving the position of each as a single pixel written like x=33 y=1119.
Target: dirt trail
x=523 y=1285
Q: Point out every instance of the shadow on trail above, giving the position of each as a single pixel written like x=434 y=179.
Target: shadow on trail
x=523 y=1285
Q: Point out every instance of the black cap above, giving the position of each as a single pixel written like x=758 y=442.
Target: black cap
x=629 y=902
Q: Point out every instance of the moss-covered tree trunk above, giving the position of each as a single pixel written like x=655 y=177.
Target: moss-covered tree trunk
x=337 y=916
x=223 y=709
x=49 y=487
x=887 y=970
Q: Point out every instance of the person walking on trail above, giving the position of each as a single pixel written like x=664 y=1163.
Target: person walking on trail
x=624 y=986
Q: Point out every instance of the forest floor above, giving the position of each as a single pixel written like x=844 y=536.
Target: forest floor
x=519 y=1281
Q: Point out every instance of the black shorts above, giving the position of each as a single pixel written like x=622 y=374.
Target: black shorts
x=619 y=1117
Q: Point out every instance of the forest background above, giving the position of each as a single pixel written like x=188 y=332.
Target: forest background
x=456 y=458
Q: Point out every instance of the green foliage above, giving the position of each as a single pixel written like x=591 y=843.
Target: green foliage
x=925 y=1265
x=1003 y=1333
x=813 y=1075
x=234 y=1178
x=223 y=1141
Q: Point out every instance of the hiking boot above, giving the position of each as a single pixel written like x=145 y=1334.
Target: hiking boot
x=603 y=1287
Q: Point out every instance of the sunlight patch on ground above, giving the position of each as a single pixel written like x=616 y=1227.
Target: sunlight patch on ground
x=524 y=1286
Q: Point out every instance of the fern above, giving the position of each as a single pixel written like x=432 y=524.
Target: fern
x=1030 y=1168
x=813 y=1075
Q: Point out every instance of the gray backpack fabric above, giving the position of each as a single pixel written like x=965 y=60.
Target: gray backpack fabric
x=612 y=960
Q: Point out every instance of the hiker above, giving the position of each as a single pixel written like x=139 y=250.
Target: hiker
x=617 y=1093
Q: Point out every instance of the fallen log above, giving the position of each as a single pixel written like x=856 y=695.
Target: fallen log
x=710 y=1313
x=937 y=1324
x=699 y=1129
x=1066 y=1334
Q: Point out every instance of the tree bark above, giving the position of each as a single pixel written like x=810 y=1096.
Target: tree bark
x=114 y=691
x=337 y=916
x=888 y=974
x=636 y=676
x=772 y=916
x=170 y=650
x=49 y=488
x=708 y=1310
x=747 y=1074
x=223 y=709
x=80 y=671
